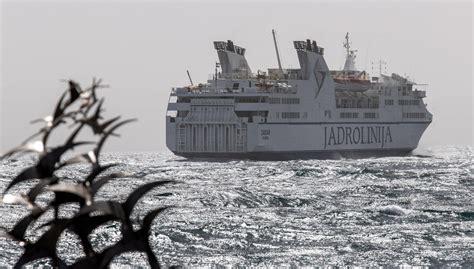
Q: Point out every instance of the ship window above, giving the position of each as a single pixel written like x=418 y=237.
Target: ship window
x=413 y=115
x=404 y=91
x=327 y=113
x=409 y=102
x=371 y=115
x=274 y=100
x=248 y=100
x=389 y=102
x=235 y=86
x=290 y=101
x=290 y=115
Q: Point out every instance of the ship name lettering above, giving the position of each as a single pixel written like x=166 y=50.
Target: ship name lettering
x=357 y=135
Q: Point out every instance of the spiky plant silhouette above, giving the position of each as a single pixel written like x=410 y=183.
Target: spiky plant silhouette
x=81 y=109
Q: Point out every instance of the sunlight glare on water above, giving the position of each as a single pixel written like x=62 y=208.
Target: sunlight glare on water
x=415 y=210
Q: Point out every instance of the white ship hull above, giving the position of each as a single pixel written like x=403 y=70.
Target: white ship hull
x=299 y=140
x=310 y=112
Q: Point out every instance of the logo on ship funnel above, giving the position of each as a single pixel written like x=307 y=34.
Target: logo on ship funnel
x=320 y=76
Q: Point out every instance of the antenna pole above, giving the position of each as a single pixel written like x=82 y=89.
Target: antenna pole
x=189 y=76
x=347 y=44
x=277 y=53
x=382 y=66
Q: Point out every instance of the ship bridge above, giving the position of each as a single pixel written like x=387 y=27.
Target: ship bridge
x=350 y=78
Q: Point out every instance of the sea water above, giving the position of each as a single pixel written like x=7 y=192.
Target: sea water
x=392 y=211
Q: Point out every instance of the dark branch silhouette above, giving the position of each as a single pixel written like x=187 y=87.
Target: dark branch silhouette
x=91 y=213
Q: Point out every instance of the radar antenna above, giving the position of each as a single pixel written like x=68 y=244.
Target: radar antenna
x=347 y=44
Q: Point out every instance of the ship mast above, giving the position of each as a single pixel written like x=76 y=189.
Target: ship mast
x=347 y=44
x=350 y=55
x=189 y=76
x=277 y=53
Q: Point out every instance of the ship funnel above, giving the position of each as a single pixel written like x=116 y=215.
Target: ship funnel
x=232 y=59
x=310 y=56
x=313 y=66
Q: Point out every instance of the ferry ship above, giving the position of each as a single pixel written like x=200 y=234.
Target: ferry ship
x=308 y=112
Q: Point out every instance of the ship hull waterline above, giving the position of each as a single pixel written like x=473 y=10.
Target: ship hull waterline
x=296 y=155
x=313 y=141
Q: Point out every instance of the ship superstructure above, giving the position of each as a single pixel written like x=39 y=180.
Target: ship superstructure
x=310 y=111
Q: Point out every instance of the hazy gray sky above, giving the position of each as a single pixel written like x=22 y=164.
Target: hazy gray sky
x=142 y=49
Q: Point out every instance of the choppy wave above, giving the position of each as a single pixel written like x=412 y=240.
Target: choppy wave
x=415 y=210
